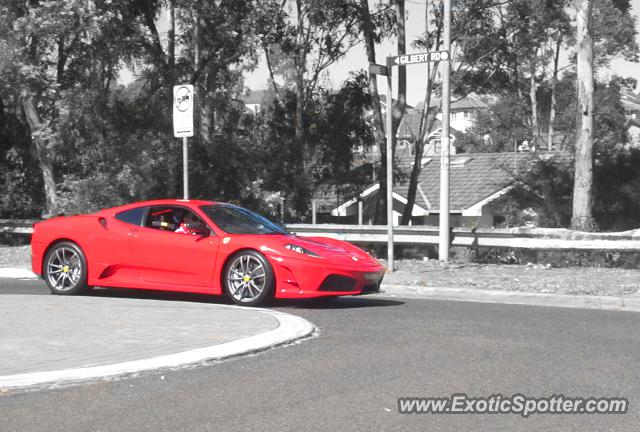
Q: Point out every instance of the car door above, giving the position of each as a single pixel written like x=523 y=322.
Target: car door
x=163 y=256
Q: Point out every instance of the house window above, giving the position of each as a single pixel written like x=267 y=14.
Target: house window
x=466 y=114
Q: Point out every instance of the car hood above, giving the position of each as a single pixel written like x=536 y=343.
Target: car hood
x=333 y=251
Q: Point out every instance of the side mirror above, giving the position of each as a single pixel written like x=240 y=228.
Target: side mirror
x=199 y=228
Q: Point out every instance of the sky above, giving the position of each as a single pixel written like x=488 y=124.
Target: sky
x=416 y=82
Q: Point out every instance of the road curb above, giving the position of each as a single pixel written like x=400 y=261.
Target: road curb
x=290 y=329
x=514 y=297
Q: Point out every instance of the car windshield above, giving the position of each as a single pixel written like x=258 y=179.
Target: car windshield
x=238 y=220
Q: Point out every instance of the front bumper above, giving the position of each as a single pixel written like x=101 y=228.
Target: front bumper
x=301 y=278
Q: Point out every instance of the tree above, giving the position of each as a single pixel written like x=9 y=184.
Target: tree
x=371 y=36
x=55 y=48
x=427 y=120
x=336 y=128
x=544 y=183
x=311 y=36
x=479 y=58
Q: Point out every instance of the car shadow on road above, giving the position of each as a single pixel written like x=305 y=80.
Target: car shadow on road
x=316 y=303
x=336 y=303
x=131 y=293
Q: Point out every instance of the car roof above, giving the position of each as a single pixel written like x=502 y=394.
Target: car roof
x=160 y=202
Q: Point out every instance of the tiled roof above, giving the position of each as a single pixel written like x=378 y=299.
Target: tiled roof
x=473 y=177
x=328 y=195
x=469 y=102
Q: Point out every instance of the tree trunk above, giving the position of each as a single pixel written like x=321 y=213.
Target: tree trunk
x=553 y=106
x=171 y=35
x=379 y=138
x=427 y=120
x=582 y=218
x=203 y=111
x=298 y=121
x=426 y=124
x=535 y=126
x=401 y=103
x=46 y=166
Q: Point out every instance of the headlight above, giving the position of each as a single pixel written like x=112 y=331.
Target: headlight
x=301 y=250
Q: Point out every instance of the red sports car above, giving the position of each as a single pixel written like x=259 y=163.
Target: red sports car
x=196 y=246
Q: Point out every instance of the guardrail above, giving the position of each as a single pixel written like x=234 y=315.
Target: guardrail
x=17 y=226
x=519 y=238
x=559 y=239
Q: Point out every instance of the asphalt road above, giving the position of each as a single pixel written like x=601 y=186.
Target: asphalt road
x=370 y=351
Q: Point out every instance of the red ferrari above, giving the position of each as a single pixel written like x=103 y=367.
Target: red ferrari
x=196 y=246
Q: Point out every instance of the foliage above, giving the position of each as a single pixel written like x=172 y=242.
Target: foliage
x=336 y=127
x=110 y=144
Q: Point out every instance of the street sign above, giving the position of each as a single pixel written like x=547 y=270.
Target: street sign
x=183 y=110
x=378 y=69
x=416 y=58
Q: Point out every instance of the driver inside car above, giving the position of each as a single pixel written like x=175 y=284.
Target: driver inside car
x=190 y=225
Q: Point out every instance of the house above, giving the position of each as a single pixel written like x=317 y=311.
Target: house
x=372 y=153
x=463 y=111
x=477 y=180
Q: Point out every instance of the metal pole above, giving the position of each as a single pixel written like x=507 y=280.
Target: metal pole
x=185 y=168
x=389 y=130
x=313 y=212
x=359 y=212
x=443 y=244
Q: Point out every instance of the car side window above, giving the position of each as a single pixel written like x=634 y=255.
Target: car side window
x=176 y=219
x=133 y=216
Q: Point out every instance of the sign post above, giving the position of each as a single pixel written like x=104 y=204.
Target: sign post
x=403 y=60
x=386 y=70
x=183 y=127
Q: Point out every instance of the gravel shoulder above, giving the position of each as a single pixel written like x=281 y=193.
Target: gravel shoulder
x=15 y=256
x=521 y=278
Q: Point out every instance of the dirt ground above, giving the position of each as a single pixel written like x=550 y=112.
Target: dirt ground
x=505 y=277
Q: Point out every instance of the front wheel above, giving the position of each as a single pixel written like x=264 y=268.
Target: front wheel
x=65 y=269
x=248 y=279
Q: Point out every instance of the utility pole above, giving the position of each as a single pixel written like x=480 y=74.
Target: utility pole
x=443 y=244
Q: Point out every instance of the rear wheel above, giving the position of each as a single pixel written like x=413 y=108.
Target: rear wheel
x=65 y=269
x=248 y=279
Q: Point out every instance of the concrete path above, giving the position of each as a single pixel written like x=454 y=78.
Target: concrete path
x=47 y=338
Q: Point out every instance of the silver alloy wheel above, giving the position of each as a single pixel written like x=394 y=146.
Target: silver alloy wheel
x=246 y=278
x=64 y=269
